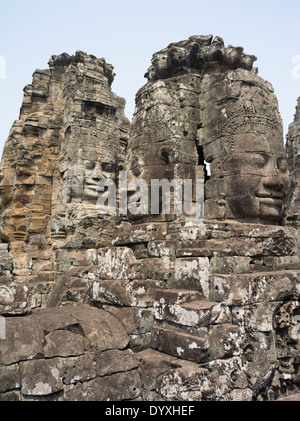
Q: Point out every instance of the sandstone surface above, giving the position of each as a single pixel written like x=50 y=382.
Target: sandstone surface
x=156 y=302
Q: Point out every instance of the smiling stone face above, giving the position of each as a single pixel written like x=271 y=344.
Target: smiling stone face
x=256 y=182
x=242 y=138
x=82 y=180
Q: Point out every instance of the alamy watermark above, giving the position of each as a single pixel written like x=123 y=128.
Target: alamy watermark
x=161 y=196
x=2 y=327
x=2 y=67
x=296 y=67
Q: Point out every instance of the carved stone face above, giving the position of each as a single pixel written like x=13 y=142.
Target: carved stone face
x=84 y=181
x=84 y=178
x=256 y=181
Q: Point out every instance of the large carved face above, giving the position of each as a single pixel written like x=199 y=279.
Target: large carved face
x=256 y=181
x=83 y=180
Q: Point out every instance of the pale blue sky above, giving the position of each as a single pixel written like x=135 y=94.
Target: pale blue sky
x=127 y=33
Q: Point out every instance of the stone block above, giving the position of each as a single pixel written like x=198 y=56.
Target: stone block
x=192 y=273
x=159 y=268
x=180 y=344
x=231 y=264
x=153 y=365
x=13 y=296
x=23 y=340
x=117 y=292
x=3 y=248
x=117 y=387
x=115 y=361
x=179 y=383
x=242 y=289
x=101 y=328
x=6 y=264
x=225 y=341
x=51 y=320
x=78 y=369
x=135 y=320
x=40 y=377
x=63 y=343
x=9 y=377
x=115 y=263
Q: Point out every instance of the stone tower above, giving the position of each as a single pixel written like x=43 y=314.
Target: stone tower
x=70 y=134
x=292 y=147
x=204 y=104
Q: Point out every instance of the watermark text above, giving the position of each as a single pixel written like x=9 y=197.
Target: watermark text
x=164 y=196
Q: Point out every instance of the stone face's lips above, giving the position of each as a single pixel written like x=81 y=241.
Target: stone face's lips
x=271 y=201
x=92 y=186
x=273 y=195
x=275 y=198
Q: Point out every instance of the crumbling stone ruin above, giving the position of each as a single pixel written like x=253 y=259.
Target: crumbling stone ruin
x=292 y=146
x=151 y=305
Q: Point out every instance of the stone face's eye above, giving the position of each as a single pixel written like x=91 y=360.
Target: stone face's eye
x=108 y=167
x=89 y=165
x=282 y=164
x=258 y=160
x=167 y=155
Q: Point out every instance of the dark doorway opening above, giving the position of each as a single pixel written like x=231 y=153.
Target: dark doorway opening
x=201 y=161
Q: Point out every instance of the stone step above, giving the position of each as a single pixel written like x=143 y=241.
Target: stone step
x=3 y=248
x=193 y=252
x=140 y=293
x=195 y=314
x=75 y=294
x=188 y=308
x=209 y=312
x=178 y=296
x=180 y=344
x=198 y=345
x=183 y=378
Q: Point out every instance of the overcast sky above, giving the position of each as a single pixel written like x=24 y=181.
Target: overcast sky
x=127 y=33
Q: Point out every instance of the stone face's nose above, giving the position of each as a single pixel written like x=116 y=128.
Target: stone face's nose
x=275 y=186
x=275 y=183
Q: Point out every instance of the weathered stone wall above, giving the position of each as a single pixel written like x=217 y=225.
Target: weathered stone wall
x=152 y=307
x=293 y=147
x=222 y=298
x=67 y=354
